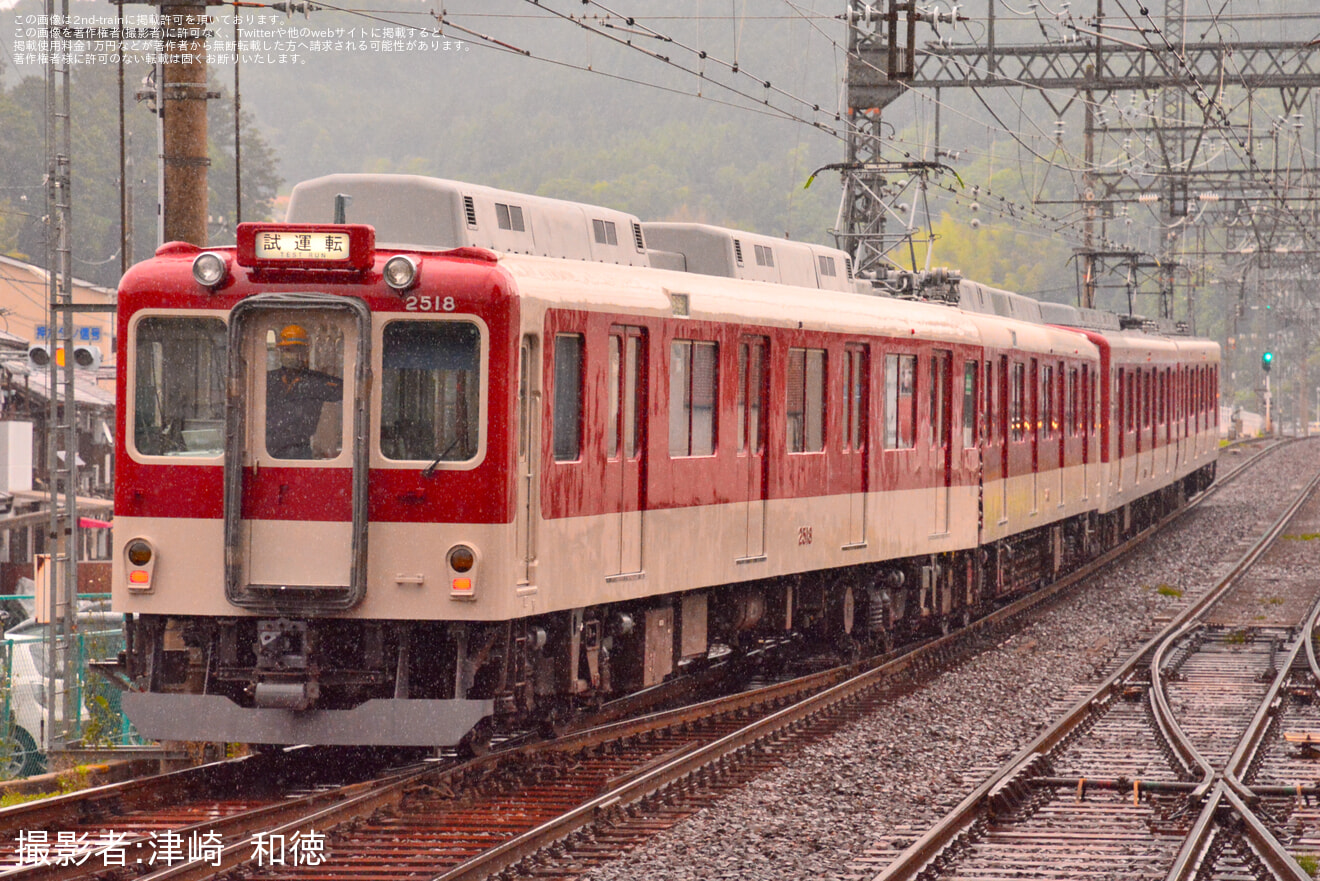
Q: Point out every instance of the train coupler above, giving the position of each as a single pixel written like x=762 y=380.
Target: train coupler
x=286 y=695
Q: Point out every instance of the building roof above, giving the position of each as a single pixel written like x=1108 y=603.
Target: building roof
x=36 y=383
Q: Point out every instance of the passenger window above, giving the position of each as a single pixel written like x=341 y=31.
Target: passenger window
x=1017 y=405
x=806 y=400
x=430 y=406
x=1073 y=407
x=900 y=402
x=613 y=425
x=970 y=418
x=941 y=367
x=1047 y=400
x=751 y=396
x=855 y=398
x=568 y=397
x=179 y=397
x=693 y=380
x=623 y=418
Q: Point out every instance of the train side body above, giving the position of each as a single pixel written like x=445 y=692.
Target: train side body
x=552 y=478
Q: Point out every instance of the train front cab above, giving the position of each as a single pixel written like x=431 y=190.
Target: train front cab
x=263 y=616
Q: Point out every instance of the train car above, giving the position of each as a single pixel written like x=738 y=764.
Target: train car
x=470 y=460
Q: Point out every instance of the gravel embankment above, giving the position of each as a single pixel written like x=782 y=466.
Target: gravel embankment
x=847 y=804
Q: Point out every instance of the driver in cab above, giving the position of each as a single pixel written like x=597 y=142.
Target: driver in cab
x=294 y=396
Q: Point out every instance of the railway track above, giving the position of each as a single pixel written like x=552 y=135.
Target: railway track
x=549 y=809
x=1183 y=764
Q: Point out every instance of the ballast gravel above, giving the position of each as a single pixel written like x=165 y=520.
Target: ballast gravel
x=845 y=806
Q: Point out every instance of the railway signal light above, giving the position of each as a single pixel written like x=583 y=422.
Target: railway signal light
x=87 y=357
x=1266 y=361
x=84 y=357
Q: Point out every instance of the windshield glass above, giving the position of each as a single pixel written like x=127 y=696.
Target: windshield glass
x=430 y=391
x=179 y=402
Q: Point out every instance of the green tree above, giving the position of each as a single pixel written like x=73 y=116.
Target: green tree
x=94 y=163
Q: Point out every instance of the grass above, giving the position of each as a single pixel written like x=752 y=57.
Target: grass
x=1309 y=863
x=69 y=781
x=1168 y=590
x=1237 y=637
x=9 y=799
x=1305 y=536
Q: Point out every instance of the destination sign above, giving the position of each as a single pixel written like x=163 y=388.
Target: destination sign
x=283 y=245
x=310 y=246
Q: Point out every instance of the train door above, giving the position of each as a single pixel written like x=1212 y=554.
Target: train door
x=941 y=370
x=1176 y=414
x=1061 y=425
x=625 y=442
x=529 y=405
x=1005 y=408
x=753 y=401
x=1086 y=414
x=296 y=466
x=1120 y=418
x=1162 y=420
x=1033 y=432
x=1145 y=434
x=856 y=401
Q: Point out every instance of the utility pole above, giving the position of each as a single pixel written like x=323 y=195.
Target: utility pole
x=180 y=96
x=61 y=415
x=184 y=115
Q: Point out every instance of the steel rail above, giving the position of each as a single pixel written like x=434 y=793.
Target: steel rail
x=674 y=771
x=48 y=812
x=1239 y=763
x=960 y=820
x=879 y=670
x=240 y=823
x=823 y=696
x=390 y=794
x=1232 y=793
x=514 y=850
x=1165 y=718
x=1195 y=850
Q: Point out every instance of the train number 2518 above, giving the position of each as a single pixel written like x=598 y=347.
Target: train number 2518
x=428 y=303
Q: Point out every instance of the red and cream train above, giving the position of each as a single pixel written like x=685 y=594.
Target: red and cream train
x=575 y=451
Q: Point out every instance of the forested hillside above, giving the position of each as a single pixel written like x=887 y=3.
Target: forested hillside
x=471 y=112
x=595 y=110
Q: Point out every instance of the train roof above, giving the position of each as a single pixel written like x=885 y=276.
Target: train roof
x=1129 y=337
x=416 y=212
x=714 y=250
x=665 y=293
x=1138 y=346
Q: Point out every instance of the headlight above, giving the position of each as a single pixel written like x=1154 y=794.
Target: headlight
x=141 y=559
x=462 y=558
x=400 y=272
x=139 y=552
x=209 y=269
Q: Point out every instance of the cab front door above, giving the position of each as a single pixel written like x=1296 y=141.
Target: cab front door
x=296 y=460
